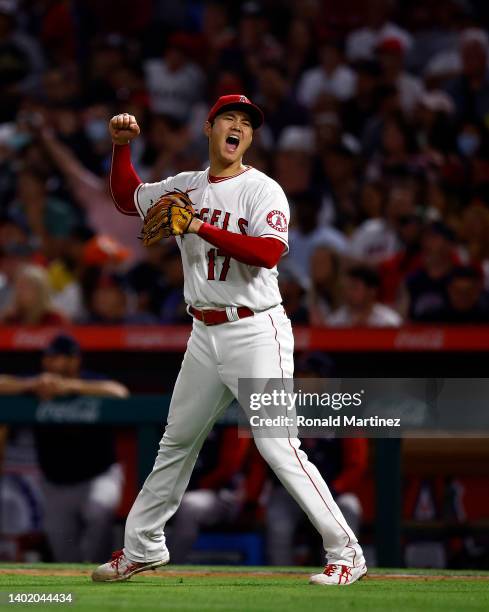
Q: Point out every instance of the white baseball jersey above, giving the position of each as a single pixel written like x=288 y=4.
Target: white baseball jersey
x=248 y=203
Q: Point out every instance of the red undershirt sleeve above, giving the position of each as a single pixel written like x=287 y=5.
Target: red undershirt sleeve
x=355 y=463
x=251 y=250
x=231 y=457
x=123 y=180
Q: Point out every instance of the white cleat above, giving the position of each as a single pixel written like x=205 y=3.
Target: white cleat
x=120 y=568
x=339 y=575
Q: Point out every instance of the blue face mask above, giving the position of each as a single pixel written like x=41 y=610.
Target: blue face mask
x=468 y=144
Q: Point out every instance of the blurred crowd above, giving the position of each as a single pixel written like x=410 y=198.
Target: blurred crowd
x=377 y=128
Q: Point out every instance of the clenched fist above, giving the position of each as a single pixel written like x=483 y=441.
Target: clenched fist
x=123 y=128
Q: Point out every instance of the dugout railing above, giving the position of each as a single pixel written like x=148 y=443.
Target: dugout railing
x=148 y=359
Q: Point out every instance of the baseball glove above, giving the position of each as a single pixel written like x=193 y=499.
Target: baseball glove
x=170 y=215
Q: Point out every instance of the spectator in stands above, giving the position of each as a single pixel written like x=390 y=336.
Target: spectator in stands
x=338 y=170
x=175 y=83
x=435 y=125
x=377 y=239
x=372 y=199
x=473 y=155
x=49 y=218
x=300 y=49
x=343 y=463
x=471 y=139
x=21 y=61
x=293 y=291
x=394 y=270
x=108 y=57
x=360 y=307
x=173 y=308
x=217 y=32
x=216 y=492
x=31 y=300
x=362 y=42
x=426 y=288
x=435 y=38
x=332 y=78
x=439 y=197
x=470 y=90
x=363 y=105
x=398 y=149
x=107 y=301
x=57 y=31
x=157 y=282
x=146 y=278
x=16 y=250
x=253 y=45
x=474 y=237
x=90 y=192
x=467 y=302
x=69 y=125
x=169 y=148
x=60 y=88
x=391 y=52
x=306 y=233
x=81 y=489
x=293 y=162
x=276 y=101
x=324 y=293
x=327 y=129
x=388 y=105
x=66 y=270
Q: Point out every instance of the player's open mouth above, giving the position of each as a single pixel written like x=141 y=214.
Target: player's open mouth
x=232 y=143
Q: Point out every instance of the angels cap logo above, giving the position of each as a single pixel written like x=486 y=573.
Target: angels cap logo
x=244 y=99
x=277 y=220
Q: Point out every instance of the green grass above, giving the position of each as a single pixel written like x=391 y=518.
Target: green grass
x=239 y=590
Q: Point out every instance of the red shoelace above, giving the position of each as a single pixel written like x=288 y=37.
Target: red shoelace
x=330 y=569
x=345 y=573
x=116 y=558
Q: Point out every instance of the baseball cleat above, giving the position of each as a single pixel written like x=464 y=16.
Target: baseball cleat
x=121 y=568
x=339 y=574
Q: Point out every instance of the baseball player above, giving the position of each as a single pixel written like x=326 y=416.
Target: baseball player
x=231 y=237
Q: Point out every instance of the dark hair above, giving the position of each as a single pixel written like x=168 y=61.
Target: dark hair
x=317 y=363
x=275 y=66
x=465 y=272
x=441 y=229
x=366 y=275
x=63 y=344
x=370 y=67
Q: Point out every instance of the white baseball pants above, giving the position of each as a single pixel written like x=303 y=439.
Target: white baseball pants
x=216 y=357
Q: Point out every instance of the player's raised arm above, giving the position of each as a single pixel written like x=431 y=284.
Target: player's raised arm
x=123 y=178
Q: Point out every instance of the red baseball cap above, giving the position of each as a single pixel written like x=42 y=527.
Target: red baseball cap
x=391 y=45
x=237 y=102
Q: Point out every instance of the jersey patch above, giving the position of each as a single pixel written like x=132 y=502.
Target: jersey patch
x=277 y=220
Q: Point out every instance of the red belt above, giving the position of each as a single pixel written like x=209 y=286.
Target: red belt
x=216 y=317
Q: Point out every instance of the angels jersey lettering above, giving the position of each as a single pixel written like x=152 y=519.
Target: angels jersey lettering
x=248 y=203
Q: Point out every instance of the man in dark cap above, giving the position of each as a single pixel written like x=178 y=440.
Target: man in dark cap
x=81 y=489
x=427 y=287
